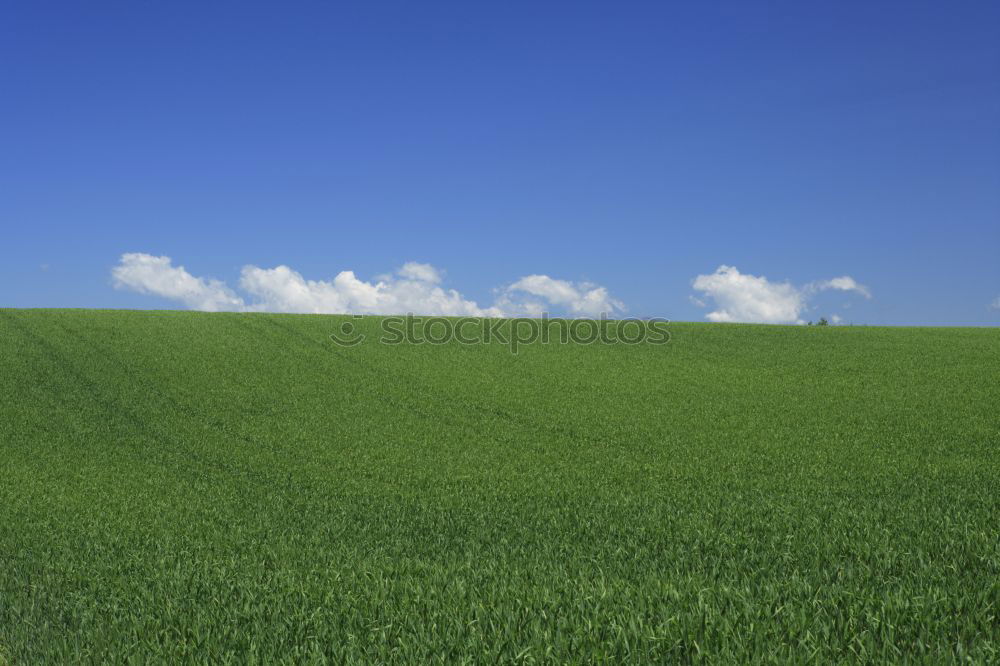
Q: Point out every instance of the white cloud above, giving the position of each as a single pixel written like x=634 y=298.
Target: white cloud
x=749 y=298
x=147 y=274
x=413 y=288
x=995 y=305
x=581 y=299
x=412 y=270
x=283 y=290
x=741 y=297
x=836 y=319
x=843 y=283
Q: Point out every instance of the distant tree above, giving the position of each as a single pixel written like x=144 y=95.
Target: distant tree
x=822 y=322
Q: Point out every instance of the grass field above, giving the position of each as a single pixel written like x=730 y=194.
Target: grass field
x=181 y=487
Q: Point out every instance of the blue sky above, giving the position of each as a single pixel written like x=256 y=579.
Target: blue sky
x=563 y=156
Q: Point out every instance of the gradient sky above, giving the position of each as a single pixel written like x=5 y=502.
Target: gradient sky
x=632 y=146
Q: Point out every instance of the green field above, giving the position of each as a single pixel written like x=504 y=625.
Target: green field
x=180 y=487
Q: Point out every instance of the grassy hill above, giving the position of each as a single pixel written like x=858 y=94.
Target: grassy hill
x=236 y=487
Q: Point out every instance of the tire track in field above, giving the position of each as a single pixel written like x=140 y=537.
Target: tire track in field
x=206 y=420
x=289 y=453
x=113 y=409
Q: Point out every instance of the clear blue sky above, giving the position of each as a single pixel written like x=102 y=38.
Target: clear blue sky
x=634 y=146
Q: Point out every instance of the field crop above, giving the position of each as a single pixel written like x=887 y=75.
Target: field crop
x=182 y=487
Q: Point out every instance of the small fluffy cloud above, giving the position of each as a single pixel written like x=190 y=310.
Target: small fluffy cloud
x=412 y=270
x=843 y=283
x=995 y=305
x=748 y=298
x=534 y=294
x=741 y=297
x=413 y=288
x=147 y=274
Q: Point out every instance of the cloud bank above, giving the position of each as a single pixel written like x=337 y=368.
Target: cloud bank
x=147 y=274
x=414 y=287
x=741 y=297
